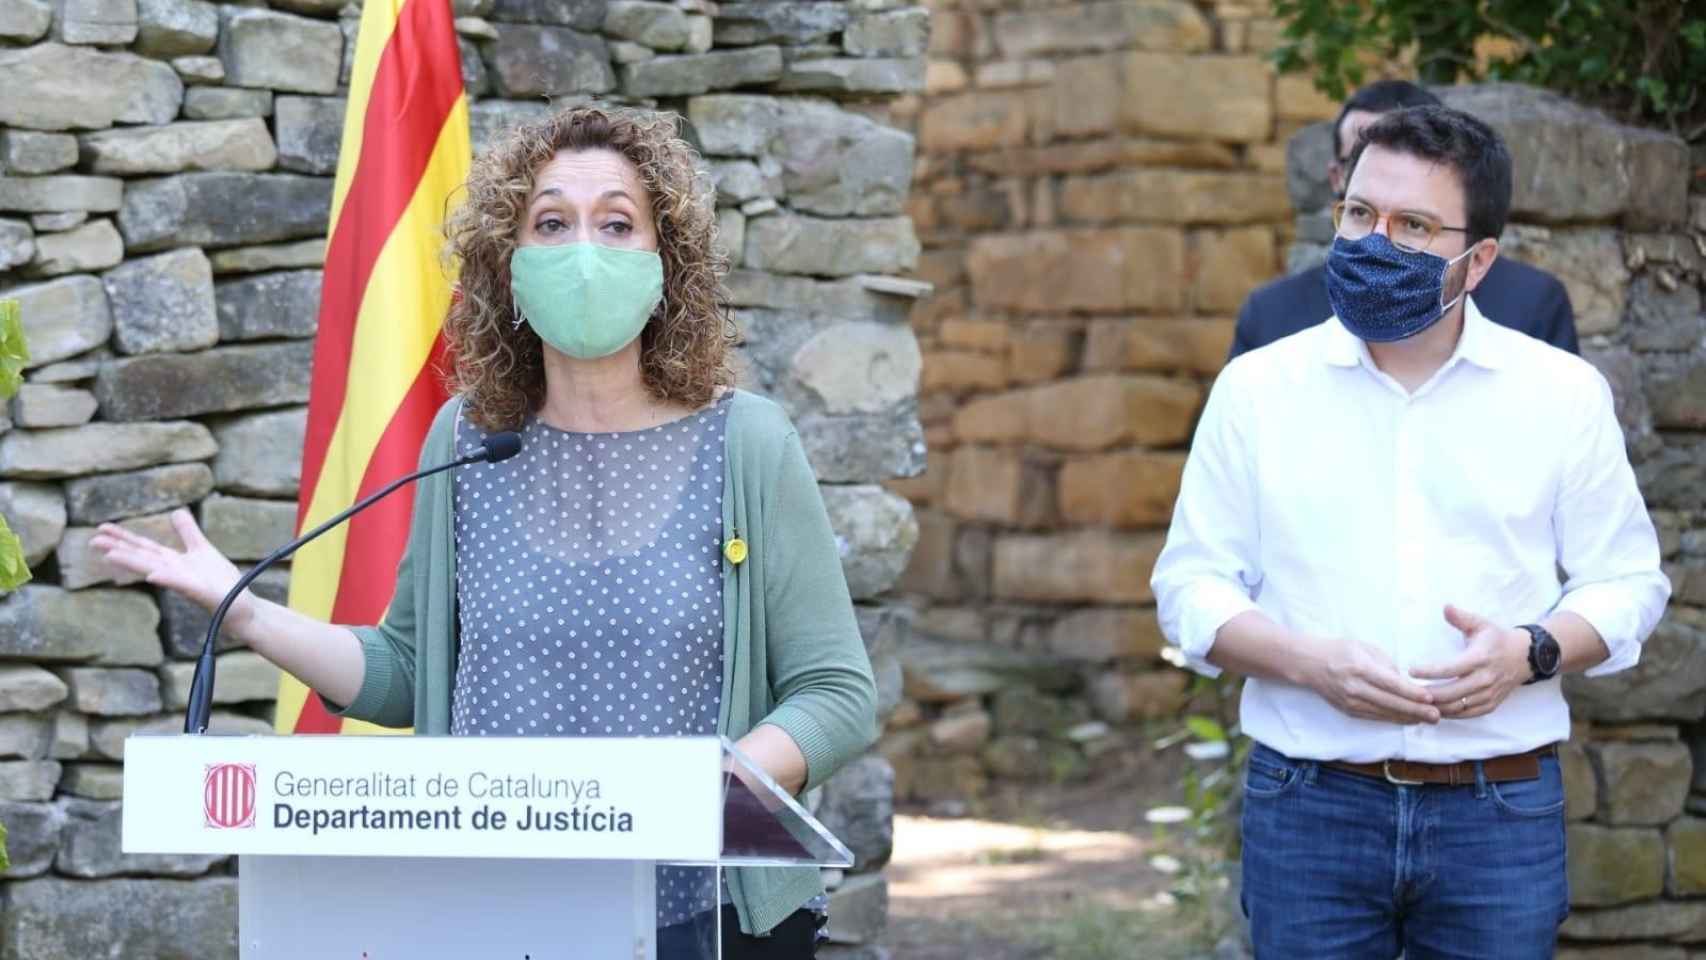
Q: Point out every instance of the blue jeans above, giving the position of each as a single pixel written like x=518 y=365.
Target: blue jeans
x=1341 y=865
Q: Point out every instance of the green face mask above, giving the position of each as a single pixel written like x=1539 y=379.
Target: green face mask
x=585 y=299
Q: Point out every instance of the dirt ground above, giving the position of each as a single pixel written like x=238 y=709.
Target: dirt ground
x=1040 y=871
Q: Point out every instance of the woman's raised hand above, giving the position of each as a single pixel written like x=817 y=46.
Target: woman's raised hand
x=199 y=571
x=328 y=658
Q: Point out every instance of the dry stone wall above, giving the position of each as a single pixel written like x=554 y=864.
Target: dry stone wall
x=165 y=172
x=1099 y=185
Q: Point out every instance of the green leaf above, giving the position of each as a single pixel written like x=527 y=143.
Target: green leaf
x=1656 y=90
x=13 y=353
x=1204 y=728
x=14 y=572
x=4 y=862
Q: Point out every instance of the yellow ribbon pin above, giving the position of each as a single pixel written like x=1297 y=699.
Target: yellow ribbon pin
x=735 y=551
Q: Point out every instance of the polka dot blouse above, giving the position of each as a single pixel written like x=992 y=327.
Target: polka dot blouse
x=589 y=591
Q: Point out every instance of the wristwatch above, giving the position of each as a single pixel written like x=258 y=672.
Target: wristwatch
x=1543 y=653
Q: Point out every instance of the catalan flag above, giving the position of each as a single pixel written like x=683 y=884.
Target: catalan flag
x=375 y=385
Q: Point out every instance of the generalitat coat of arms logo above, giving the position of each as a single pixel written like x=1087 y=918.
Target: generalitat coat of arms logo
x=228 y=795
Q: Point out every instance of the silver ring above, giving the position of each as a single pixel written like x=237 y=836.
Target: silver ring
x=1463 y=703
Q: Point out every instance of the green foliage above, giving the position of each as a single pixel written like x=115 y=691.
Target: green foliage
x=1209 y=784
x=1203 y=833
x=1205 y=729
x=1096 y=931
x=1643 y=60
x=4 y=862
x=14 y=572
x=13 y=355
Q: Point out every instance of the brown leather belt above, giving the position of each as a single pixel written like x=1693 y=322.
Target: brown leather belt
x=1518 y=766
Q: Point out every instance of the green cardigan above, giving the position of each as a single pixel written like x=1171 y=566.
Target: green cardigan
x=792 y=651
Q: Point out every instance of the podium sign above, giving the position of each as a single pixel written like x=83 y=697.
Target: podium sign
x=464 y=797
x=446 y=848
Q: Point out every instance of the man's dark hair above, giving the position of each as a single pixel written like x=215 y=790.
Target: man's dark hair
x=1451 y=137
x=1383 y=96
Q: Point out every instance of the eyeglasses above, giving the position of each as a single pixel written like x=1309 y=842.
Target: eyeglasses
x=1408 y=231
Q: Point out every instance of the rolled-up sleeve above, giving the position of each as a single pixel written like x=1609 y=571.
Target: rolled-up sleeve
x=1208 y=570
x=1606 y=543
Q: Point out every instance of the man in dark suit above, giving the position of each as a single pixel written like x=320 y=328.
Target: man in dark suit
x=1513 y=294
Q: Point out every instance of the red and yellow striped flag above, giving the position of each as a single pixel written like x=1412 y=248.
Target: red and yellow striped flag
x=375 y=389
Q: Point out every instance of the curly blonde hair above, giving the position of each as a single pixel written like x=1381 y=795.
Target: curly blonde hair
x=684 y=347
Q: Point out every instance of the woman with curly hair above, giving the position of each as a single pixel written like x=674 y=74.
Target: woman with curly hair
x=656 y=561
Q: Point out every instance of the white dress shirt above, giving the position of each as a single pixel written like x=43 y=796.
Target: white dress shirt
x=1321 y=492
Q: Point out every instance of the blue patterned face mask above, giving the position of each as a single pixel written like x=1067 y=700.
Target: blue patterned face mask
x=1381 y=293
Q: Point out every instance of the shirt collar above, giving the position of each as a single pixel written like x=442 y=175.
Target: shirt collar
x=1342 y=348
x=1475 y=344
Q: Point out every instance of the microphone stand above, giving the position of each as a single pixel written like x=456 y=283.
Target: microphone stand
x=201 y=687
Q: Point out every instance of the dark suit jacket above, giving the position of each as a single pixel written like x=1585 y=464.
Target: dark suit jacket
x=1513 y=294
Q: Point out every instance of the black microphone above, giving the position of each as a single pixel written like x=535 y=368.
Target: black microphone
x=496 y=447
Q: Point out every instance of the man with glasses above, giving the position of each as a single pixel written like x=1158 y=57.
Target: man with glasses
x=1371 y=528
x=1514 y=294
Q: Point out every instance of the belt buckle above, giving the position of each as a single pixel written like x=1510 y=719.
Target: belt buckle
x=1386 y=768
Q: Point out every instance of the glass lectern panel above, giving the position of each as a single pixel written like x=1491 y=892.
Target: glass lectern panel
x=764 y=826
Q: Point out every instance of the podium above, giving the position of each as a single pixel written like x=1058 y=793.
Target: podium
x=522 y=848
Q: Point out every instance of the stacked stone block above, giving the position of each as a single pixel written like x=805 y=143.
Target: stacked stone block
x=165 y=173
x=1100 y=184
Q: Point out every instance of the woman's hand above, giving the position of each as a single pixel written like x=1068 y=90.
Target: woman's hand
x=328 y=658
x=199 y=571
x=777 y=754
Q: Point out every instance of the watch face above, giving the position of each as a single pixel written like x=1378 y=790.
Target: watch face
x=1546 y=656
